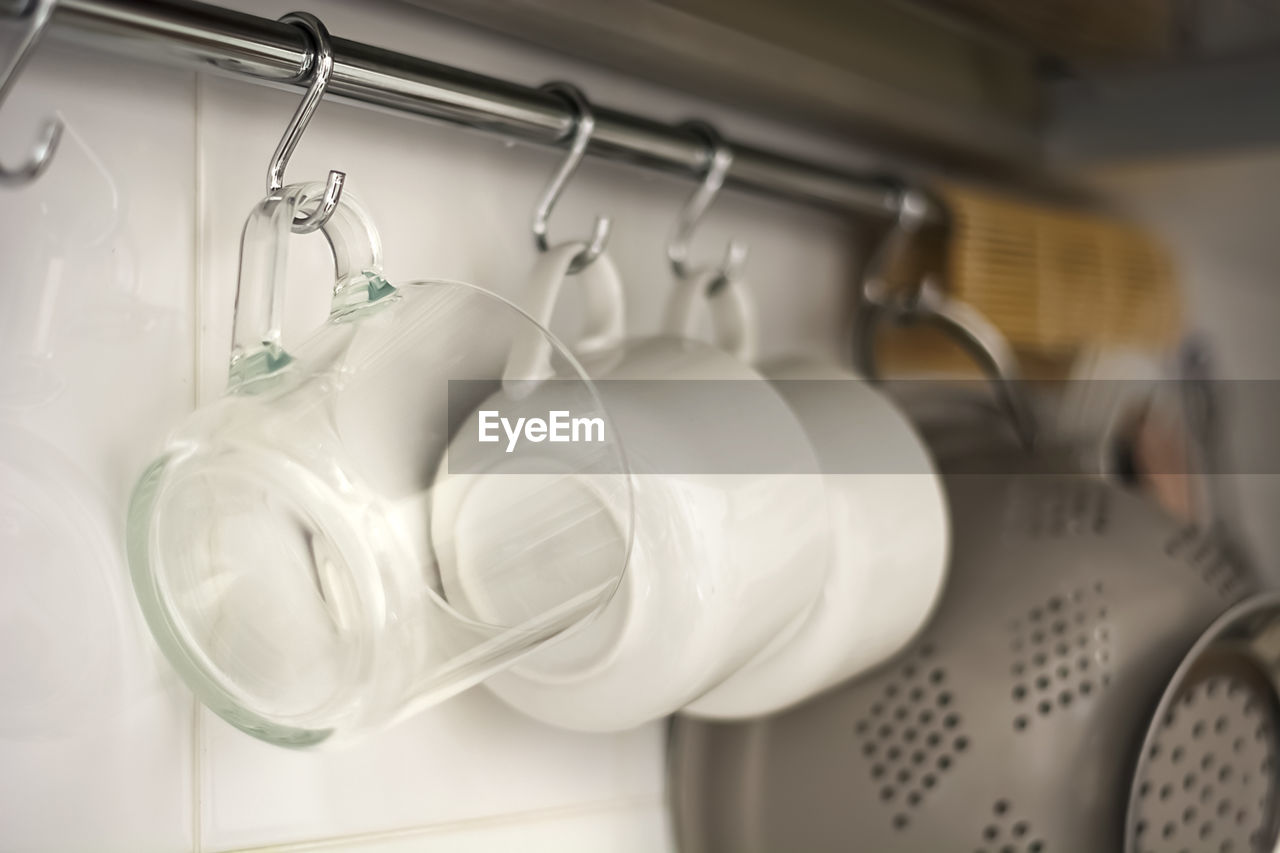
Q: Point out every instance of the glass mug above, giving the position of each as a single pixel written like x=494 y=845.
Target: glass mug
x=283 y=547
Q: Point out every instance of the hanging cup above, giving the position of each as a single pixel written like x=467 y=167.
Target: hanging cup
x=731 y=522
x=285 y=547
x=889 y=526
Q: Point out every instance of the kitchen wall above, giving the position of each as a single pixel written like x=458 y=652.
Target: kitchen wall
x=120 y=268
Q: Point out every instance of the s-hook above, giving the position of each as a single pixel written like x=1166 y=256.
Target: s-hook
x=720 y=159
x=51 y=132
x=926 y=302
x=584 y=124
x=318 y=70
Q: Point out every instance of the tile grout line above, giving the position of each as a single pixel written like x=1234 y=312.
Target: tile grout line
x=197 y=840
x=197 y=279
x=197 y=223
x=578 y=810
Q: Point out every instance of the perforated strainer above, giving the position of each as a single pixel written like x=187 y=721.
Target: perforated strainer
x=1012 y=725
x=1206 y=777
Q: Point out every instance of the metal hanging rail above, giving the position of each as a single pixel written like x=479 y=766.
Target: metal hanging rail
x=208 y=38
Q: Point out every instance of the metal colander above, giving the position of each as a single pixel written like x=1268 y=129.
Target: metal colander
x=1015 y=722
x=1206 y=776
x=1012 y=725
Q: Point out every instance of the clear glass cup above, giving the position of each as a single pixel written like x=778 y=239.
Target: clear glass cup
x=284 y=547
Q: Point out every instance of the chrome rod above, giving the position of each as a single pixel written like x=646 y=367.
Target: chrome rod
x=209 y=38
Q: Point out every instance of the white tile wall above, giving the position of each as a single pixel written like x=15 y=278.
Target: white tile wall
x=640 y=829
x=95 y=735
x=469 y=758
x=121 y=263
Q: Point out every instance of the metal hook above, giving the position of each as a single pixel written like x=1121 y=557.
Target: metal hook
x=319 y=68
x=584 y=124
x=721 y=158
x=926 y=302
x=51 y=132
x=915 y=206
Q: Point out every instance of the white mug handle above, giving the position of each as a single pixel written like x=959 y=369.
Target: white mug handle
x=733 y=314
x=604 y=316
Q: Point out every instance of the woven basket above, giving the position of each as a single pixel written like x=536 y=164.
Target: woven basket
x=1055 y=281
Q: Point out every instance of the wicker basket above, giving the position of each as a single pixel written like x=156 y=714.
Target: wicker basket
x=1055 y=281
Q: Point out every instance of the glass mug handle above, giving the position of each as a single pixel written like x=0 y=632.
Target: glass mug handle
x=605 y=314
x=256 y=348
x=733 y=315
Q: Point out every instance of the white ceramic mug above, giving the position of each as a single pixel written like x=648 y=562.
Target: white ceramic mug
x=890 y=528
x=721 y=562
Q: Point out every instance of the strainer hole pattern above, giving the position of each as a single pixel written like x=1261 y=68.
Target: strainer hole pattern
x=1057 y=668
x=911 y=736
x=1212 y=785
x=1078 y=508
x=1200 y=551
x=1006 y=830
